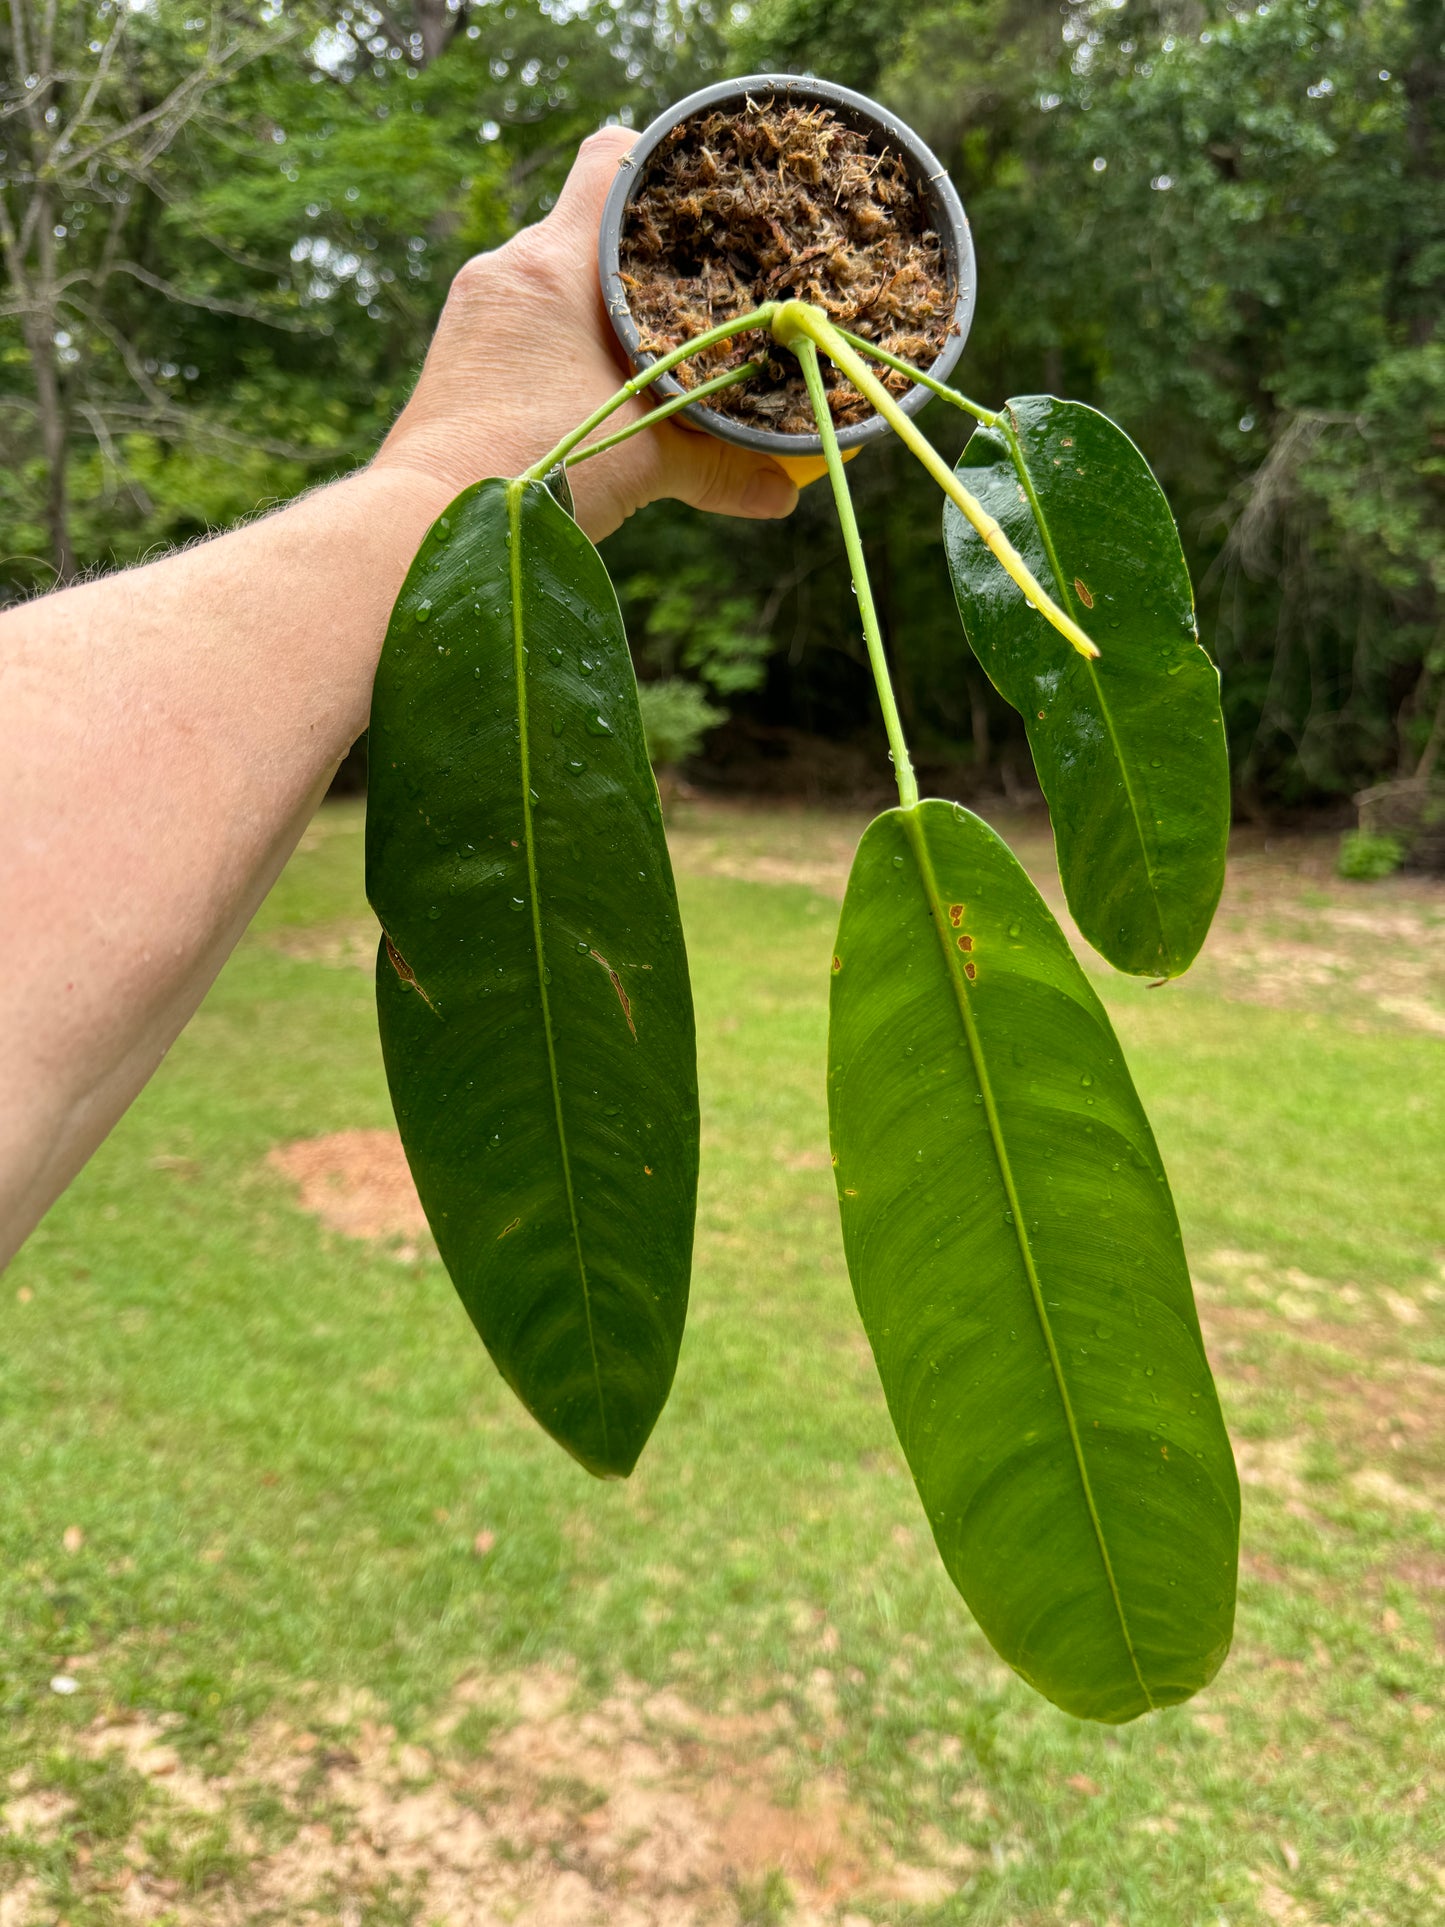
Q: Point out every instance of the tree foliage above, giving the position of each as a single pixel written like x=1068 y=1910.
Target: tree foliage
x=228 y=227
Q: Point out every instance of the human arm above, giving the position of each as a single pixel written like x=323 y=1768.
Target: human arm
x=166 y=732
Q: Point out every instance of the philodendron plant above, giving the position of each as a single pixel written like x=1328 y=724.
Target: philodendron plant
x=1006 y=1217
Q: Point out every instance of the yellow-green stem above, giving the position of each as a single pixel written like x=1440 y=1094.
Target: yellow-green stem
x=663 y=410
x=725 y=330
x=807 y=355
x=797 y=320
x=921 y=376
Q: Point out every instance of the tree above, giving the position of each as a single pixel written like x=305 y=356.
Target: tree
x=1223 y=224
x=99 y=97
x=228 y=226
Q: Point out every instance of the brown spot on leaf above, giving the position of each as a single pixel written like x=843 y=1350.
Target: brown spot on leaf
x=507 y=1229
x=622 y=996
x=837 y=965
x=955 y=914
x=965 y=942
x=970 y=970
x=1082 y=593
x=408 y=976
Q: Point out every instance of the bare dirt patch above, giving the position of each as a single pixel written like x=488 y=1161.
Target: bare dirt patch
x=638 y=1811
x=39 y=1813
x=356 y=1182
x=142 y=1744
x=347 y=944
x=1292 y=934
x=1288 y=933
x=19 y=1904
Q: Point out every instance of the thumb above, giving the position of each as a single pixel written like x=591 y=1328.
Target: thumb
x=712 y=475
x=579 y=205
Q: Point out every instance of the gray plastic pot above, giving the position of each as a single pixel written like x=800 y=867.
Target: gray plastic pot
x=946 y=216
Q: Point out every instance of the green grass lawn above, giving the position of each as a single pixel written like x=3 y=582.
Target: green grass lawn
x=246 y=1462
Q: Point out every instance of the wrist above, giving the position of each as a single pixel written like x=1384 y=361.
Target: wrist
x=444 y=456
x=405 y=498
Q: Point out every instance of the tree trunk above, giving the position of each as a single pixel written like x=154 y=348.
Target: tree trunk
x=1423 y=82
x=978 y=715
x=40 y=323
x=1435 y=742
x=436 y=24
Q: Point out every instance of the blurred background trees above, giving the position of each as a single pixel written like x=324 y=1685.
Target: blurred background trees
x=226 y=229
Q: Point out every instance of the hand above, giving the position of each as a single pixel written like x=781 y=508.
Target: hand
x=524 y=352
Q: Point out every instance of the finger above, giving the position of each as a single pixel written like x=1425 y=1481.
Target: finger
x=579 y=205
x=714 y=476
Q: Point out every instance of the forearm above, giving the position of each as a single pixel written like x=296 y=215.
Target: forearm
x=166 y=733
x=210 y=757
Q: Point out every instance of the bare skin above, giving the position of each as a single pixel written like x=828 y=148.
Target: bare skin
x=167 y=732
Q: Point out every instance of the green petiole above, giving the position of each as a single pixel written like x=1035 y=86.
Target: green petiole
x=990 y=419
x=795 y=320
x=922 y=377
x=792 y=323
x=807 y=355
x=760 y=318
x=664 y=409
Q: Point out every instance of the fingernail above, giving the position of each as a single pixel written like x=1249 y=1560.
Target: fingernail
x=768 y=493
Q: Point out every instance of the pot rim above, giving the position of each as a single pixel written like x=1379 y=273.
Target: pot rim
x=856 y=110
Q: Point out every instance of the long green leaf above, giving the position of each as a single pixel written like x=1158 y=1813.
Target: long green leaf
x=532 y=988
x=1129 y=749
x=1020 y=1274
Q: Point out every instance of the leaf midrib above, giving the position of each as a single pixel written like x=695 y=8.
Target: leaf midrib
x=515 y=492
x=1015 y=447
x=913 y=829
